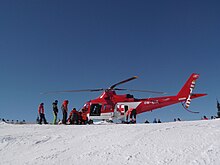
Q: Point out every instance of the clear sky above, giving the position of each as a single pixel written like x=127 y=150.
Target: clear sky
x=50 y=45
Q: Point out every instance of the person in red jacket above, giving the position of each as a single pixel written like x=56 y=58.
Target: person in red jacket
x=73 y=117
x=64 y=108
x=41 y=113
x=84 y=119
x=205 y=118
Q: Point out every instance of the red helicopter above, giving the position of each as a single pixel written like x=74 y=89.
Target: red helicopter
x=111 y=106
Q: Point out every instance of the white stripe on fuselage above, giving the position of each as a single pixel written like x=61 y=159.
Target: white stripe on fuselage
x=129 y=104
x=184 y=98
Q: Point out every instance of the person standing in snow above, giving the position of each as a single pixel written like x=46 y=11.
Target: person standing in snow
x=218 y=107
x=204 y=118
x=55 y=111
x=41 y=113
x=146 y=121
x=84 y=119
x=64 y=108
x=133 y=116
x=131 y=112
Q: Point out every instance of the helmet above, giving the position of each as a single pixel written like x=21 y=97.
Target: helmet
x=56 y=101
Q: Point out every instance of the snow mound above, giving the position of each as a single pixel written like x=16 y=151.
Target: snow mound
x=175 y=143
x=2 y=123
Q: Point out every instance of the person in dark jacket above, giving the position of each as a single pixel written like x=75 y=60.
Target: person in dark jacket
x=55 y=111
x=155 y=120
x=147 y=121
x=41 y=114
x=218 y=107
x=133 y=116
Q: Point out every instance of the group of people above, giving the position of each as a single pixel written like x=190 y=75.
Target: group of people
x=74 y=117
x=178 y=119
x=159 y=121
x=206 y=118
x=156 y=121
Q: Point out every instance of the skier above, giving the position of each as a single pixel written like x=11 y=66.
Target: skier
x=64 y=108
x=41 y=113
x=55 y=111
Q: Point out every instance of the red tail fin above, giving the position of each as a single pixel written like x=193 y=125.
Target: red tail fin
x=186 y=91
x=188 y=86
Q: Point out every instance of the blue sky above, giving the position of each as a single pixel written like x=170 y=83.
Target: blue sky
x=50 y=45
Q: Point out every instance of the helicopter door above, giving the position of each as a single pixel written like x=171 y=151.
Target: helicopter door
x=95 y=109
x=120 y=110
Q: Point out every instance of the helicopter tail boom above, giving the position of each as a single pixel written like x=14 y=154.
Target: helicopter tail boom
x=185 y=94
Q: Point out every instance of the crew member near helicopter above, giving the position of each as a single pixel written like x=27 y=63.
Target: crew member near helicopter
x=41 y=113
x=131 y=112
x=73 y=117
x=64 y=108
x=133 y=116
x=84 y=116
x=55 y=111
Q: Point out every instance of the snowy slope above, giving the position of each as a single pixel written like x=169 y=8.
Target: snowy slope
x=192 y=142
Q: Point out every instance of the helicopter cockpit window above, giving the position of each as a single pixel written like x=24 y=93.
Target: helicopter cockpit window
x=95 y=109
x=129 y=96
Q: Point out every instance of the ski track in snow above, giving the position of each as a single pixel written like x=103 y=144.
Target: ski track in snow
x=174 y=143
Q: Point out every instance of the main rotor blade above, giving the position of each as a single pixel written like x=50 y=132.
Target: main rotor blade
x=83 y=90
x=124 y=81
x=137 y=90
x=157 y=92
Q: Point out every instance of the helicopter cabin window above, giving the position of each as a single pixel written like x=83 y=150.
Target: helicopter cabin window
x=107 y=107
x=95 y=109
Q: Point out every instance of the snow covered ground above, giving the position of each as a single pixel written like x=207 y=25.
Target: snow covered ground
x=174 y=143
